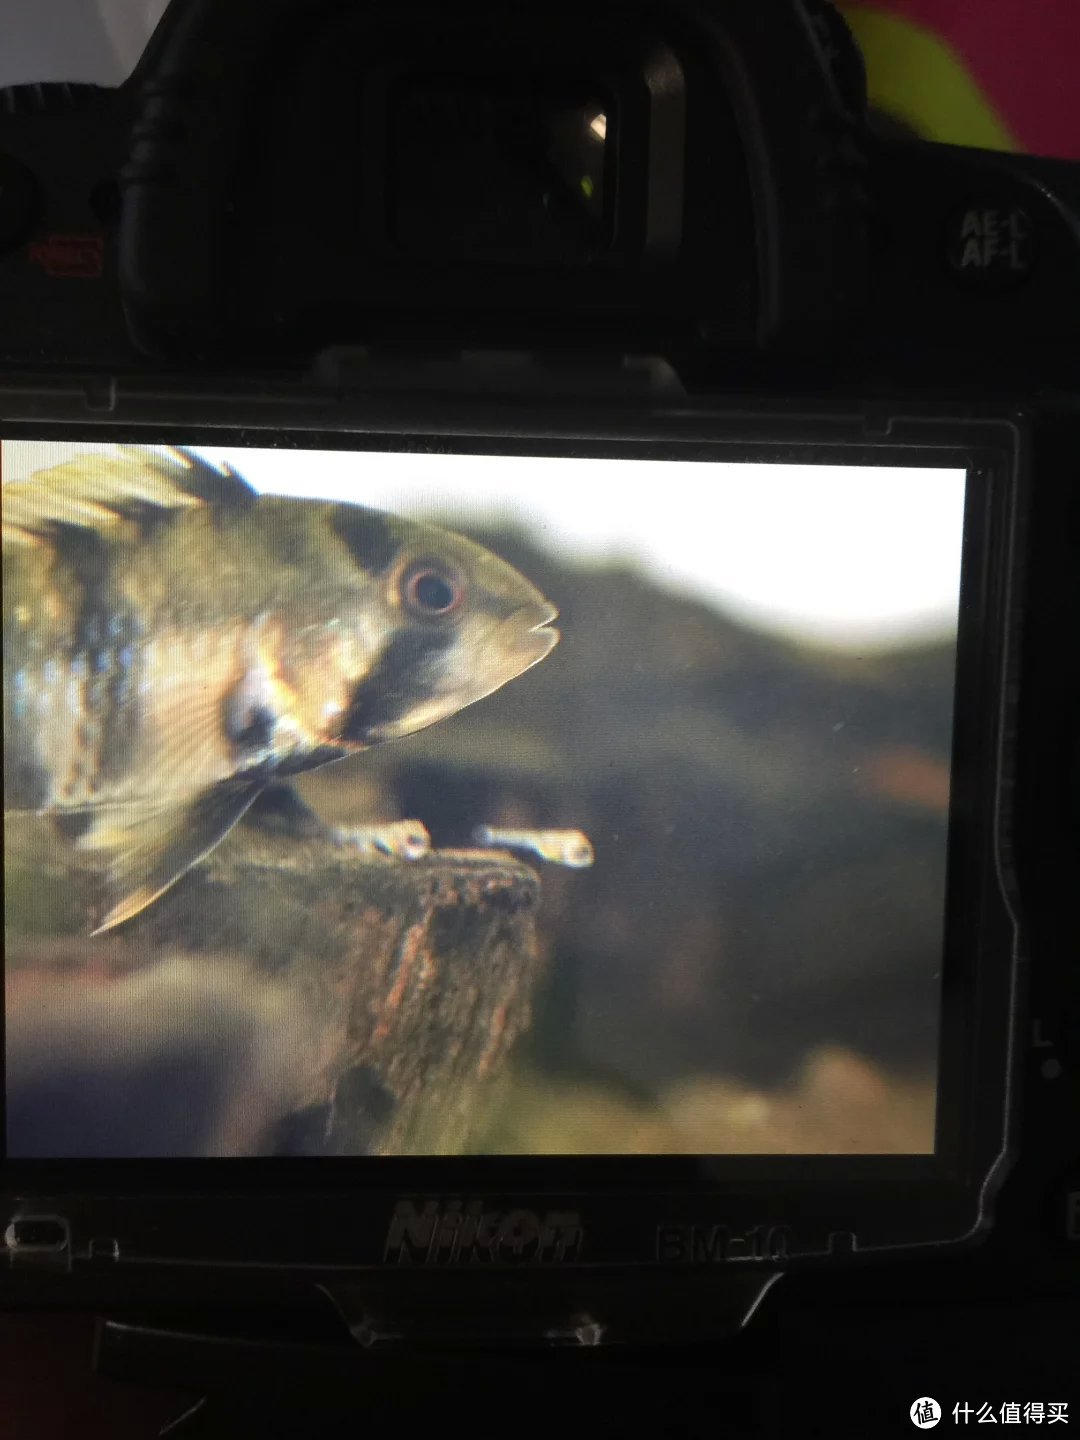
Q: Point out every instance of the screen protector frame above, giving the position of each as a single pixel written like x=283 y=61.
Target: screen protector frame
x=630 y=1210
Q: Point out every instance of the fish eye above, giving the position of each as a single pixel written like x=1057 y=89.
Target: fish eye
x=429 y=590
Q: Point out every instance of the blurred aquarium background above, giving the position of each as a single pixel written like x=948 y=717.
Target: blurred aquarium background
x=749 y=714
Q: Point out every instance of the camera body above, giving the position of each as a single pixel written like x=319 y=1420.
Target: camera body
x=623 y=226
x=699 y=183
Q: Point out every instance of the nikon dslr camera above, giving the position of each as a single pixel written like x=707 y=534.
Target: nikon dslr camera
x=540 y=683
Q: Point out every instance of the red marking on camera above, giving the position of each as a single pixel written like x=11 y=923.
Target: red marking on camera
x=68 y=257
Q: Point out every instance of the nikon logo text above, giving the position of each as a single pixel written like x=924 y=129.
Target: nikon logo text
x=464 y=1232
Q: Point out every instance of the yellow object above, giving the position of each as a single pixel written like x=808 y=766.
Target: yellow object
x=915 y=76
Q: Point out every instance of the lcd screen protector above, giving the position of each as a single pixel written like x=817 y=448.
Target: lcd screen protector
x=402 y=803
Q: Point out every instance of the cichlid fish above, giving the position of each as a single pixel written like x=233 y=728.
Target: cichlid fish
x=558 y=847
x=175 y=643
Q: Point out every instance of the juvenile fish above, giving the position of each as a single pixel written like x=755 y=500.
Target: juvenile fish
x=174 y=643
x=559 y=847
x=402 y=839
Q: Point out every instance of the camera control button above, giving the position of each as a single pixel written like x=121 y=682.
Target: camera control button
x=20 y=203
x=1072 y=1214
x=990 y=245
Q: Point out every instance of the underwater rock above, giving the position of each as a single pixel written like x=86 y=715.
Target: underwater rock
x=286 y=997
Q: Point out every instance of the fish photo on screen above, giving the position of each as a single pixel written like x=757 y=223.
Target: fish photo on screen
x=410 y=802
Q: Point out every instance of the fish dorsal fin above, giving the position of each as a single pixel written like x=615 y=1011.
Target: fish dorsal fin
x=209 y=483
x=102 y=491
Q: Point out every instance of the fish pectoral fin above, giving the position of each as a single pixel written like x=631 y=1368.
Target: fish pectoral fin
x=149 y=848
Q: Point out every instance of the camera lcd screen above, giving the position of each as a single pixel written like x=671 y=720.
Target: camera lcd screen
x=416 y=803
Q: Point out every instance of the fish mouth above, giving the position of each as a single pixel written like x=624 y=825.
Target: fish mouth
x=527 y=635
x=541 y=636
x=546 y=614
